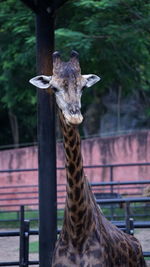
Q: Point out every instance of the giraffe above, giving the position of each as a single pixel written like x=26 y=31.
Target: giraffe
x=87 y=238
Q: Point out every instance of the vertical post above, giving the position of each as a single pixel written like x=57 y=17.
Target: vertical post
x=127 y=216
x=111 y=190
x=46 y=142
x=111 y=178
x=131 y=221
x=21 y=253
x=24 y=240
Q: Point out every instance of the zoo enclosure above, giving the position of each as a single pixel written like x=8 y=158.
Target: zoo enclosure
x=33 y=206
x=127 y=226
x=26 y=194
x=15 y=195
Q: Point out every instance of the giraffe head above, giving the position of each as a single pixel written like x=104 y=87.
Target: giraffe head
x=67 y=83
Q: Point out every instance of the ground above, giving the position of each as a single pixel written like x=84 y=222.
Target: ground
x=9 y=246
x=143 y=236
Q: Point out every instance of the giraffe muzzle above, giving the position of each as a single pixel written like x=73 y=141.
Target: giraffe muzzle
x=75 y=120
x=74 y=110
x=73 y=116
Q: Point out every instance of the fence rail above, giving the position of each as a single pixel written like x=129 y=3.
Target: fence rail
x=93 y=185
x=85 y=167
x=127 y=226
x=24 y=197
x=27 y=195
x=12 y=196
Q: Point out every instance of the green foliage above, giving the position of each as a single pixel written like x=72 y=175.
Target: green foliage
x=112 y=37
x=16 y=66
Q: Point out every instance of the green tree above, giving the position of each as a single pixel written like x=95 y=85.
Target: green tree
x=17 y=64
x=113 y=39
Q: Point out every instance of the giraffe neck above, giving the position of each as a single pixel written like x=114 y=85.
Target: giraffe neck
x=78 y=210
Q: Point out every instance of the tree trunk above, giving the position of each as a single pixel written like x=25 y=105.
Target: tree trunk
x=119 y=108
x=14 y=127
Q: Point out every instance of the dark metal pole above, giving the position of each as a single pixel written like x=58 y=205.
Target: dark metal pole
x=46 y=142
x=24 y=239
x=111 y=178
x=21 y=256
x=131 y=221
x=127 y=215
x=111 y=190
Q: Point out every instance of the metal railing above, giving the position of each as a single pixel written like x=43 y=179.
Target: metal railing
x=127 y=226
x=23 y=196
x=24 y=234
x=97 y=166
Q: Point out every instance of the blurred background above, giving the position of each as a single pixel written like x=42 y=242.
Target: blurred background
x=113 y=41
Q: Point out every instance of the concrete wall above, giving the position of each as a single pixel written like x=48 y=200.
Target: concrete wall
x=22 y=158
x=131 y=148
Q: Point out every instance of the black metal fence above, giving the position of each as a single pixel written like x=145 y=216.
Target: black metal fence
x=24 y=234
x=128 y=226
x=27 y=195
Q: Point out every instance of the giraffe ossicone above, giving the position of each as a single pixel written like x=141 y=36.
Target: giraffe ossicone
x=87 y=238
x=67 y=82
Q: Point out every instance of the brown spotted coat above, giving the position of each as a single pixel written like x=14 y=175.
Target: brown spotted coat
x=87 y=238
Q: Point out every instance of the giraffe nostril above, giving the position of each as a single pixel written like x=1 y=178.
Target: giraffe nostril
x=74 y=111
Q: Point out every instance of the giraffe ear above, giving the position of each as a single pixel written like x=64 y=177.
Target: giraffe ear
x=41 y=81
x=91 y=79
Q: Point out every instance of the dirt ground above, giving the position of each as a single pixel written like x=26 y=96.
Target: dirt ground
x=9 y=246
x=9 y=249
x=143 y=235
